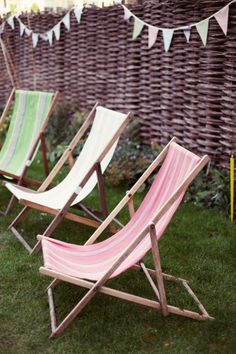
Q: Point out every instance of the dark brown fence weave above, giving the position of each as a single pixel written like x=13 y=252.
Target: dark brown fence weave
x=189 y=92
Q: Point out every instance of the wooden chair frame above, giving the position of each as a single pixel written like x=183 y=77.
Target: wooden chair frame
x=64 y=212
x=23 y=180
x=155 y=277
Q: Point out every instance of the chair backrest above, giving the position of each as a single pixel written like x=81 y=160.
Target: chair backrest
x=106 y=123
x=29 y=112
x=178 y=164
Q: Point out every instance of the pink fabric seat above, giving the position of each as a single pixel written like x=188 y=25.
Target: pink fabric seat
x=92 y=261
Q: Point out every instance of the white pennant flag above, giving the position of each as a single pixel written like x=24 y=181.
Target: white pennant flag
x=187 y=33
x=66 y=21
x=127 y=13
x=35 y=38
x=10 y=21
x=22 y=28
x=152 y=35
x=43 y=36
x=78 y=13
x=50 y=36
x=222 y=17
x=167 y=36
x=2 y=27
x=56 y=30
x=28 y=31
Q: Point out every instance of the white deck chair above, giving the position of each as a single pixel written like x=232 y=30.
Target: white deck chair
x=97 y=152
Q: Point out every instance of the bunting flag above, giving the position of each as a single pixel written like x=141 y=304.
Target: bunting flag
x=78 y=13
x=56 y=30
x=202 y=28
x=138 y=26
x=152 y=35
x=187 y=33
x=50 y=36
x=66 y=21
x=167 y=37
x=127 y=13
x=22 y=28
x=222 y=18
x=28 y=31
x=10 y=21
x=35 y=38
x=43 y=36
x=2 y=28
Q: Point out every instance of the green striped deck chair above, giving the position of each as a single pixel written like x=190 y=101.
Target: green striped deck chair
x=25 y=133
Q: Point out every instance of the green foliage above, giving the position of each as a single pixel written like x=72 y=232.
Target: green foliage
x=61 y=129
x=131 y=158
x=211 y=190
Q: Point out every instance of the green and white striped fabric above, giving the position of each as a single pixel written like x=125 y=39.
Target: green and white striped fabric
x=30 y=110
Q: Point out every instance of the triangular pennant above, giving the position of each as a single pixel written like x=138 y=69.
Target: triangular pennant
x=222 y=17
x=152 y=35
x=138 y=26
x=78 y=13
x=10 y=21
x=56 y=30
x=2 y=26
x=187 y=33
x=35 y=38
x=66 y=21
x=50 y=36
x=43 y=36
x=127 y=13
x=22 y=28
x=28 y=31
x=202 y=28
x=167 y=37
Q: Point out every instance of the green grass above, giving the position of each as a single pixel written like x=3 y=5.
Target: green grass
x=199 y=245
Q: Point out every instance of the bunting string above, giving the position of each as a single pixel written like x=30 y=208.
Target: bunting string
x=48 y=36
x=221 y=16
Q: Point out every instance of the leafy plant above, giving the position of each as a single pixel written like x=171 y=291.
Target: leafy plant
x=131 y=158
x=211 y=190
x=63 y=126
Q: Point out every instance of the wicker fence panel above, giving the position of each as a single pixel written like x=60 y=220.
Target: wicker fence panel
x=189 y=92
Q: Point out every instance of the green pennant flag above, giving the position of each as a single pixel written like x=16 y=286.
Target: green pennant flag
x=138 y=26
x=202 y=28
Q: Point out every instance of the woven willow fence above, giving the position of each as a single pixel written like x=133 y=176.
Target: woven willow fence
x=189 y=92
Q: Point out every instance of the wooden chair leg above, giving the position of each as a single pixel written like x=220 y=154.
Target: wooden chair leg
x=44 y=155
x=56 y=221
x=101 y=190
x=20 y=217
x=56 y=330
x=10 y=204
x=159 y=275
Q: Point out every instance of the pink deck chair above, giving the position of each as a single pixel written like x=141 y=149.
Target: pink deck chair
x=91 y=265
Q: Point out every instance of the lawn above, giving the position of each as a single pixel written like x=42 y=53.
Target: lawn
x=199 y=245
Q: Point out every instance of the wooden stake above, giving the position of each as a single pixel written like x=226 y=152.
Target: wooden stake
x=232 y=189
